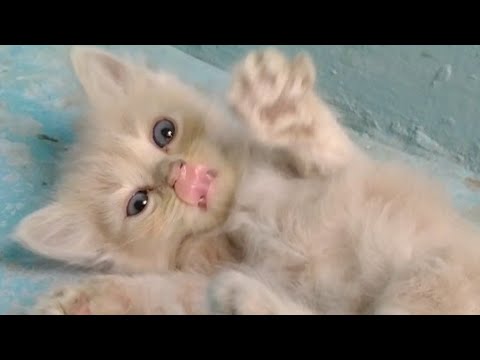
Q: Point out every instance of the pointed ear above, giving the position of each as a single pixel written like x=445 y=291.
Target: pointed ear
x=103 y=76
x=57 y=233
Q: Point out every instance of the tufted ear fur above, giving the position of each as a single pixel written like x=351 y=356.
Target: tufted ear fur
x=58 y=233
x=104 y=77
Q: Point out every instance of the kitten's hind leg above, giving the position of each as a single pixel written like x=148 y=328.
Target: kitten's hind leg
x=275 y=96
x=234 y=293
x=171 y=294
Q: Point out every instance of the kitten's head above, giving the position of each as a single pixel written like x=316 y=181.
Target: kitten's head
x=154 y=163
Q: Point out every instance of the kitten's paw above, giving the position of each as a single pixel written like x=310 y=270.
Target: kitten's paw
x=266 y=85
x=232 y=293
x=98 y=296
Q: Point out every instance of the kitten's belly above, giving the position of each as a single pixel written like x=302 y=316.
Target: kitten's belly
x=345 y=236
x=289 y=223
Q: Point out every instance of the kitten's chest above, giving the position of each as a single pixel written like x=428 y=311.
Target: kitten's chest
x=259 y=216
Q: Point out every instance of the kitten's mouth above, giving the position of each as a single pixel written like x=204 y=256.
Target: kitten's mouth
x=192 y=183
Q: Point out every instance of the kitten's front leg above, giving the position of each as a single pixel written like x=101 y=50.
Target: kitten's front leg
x=277 y=99
x=234 y=293
x=175 y=293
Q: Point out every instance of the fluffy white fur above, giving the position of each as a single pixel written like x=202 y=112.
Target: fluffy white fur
x=302 y=221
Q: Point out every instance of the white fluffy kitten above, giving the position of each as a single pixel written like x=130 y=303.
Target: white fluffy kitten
x=195 y=214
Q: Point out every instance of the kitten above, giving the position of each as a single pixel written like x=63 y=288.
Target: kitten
x=279 y=213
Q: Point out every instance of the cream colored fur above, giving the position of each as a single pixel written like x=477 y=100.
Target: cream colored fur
x=303 y=222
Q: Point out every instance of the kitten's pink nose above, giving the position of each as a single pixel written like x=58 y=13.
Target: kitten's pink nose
x=191 y=182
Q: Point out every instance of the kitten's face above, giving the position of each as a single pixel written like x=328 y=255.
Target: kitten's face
x=153 y=165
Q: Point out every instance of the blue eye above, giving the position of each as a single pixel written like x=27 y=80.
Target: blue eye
x=163 y=132
x=137 y=203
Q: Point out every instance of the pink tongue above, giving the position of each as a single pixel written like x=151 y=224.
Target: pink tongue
x=192 y=184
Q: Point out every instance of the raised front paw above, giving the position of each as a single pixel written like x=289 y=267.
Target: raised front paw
x=97 y=296
x=266 y=86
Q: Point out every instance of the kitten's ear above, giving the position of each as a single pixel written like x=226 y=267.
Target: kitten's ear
x=103 y=76
x=57 y=233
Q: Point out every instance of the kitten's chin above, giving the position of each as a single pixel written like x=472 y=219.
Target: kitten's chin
x=213 y=215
